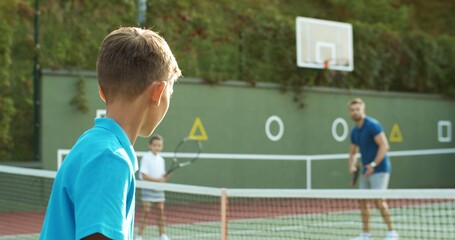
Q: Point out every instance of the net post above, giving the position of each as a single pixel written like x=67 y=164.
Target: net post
x=308 y=173
x=224 y=220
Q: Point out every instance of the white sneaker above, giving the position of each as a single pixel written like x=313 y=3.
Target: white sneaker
x=139 y=238
x=392 y=235
x=363 y=236
x=164 y=237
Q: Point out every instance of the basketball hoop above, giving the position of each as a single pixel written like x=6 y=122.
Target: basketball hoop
x=326 y=64
x=321 y=43
x=335 y=75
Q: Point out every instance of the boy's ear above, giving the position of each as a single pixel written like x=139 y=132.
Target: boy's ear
x=157 y=90
x=102 y=96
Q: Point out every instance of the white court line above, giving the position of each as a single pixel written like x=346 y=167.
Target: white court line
x=234 y=156
x=20 y=236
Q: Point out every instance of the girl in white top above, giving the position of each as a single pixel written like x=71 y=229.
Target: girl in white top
x=153 y=169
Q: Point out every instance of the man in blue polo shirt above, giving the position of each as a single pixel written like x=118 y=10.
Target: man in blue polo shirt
x=93 y=196
x=368 y=136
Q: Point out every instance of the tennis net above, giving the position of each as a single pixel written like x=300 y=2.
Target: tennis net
x=194 y=212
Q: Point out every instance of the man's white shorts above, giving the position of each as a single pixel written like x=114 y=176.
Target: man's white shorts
x=374 y=181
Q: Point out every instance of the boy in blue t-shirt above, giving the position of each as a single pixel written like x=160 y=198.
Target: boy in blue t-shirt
x=368 y=136
x=93 y=192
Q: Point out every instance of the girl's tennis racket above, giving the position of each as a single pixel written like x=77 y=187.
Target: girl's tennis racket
x=186 y=153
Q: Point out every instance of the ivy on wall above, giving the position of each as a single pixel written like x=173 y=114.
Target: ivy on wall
x=230 y=40
x=7 y=108
x=224 y=40
x=79 y=101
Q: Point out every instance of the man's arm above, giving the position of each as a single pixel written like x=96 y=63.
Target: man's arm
x=383 y=147
x=352 y=158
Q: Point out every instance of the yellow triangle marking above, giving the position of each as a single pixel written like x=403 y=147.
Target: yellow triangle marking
x=395 y=134
x=197 y=131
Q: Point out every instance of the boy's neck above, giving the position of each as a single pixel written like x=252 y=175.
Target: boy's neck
x=141 y=115
x=127 y=119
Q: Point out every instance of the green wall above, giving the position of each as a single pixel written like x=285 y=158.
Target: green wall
x=234 y=117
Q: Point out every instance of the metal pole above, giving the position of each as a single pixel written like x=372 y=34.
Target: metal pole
x=141 y=12
x=308 y=173
x=240 y=43
x=37 y=89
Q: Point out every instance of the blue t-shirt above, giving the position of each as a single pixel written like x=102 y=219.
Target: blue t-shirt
x=94 y=190
x=364 y=138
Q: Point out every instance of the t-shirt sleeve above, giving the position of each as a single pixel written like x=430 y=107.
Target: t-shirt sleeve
x=101 y=197
x=144 y=164
x=376 y=129
x=353 y=139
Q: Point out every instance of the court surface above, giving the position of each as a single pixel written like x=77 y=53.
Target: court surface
x=427 y=221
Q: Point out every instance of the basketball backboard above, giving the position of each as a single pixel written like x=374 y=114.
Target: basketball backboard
x=324 y=44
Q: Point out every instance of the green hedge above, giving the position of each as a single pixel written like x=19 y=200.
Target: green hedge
x=221 y=40
x=7 y=108
x=252 y=41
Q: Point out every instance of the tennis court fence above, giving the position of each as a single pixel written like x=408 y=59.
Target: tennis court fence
x=195 y=212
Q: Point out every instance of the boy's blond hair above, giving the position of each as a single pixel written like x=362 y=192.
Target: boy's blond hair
x=130 y=59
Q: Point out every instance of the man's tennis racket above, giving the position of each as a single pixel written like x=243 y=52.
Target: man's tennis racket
x=355 y=176
x=186 y=153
